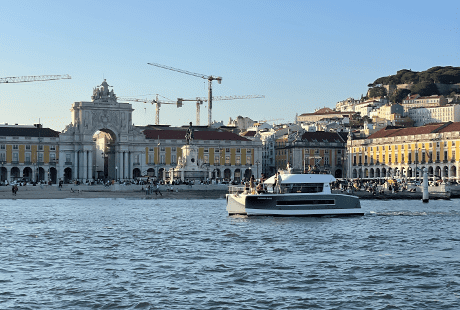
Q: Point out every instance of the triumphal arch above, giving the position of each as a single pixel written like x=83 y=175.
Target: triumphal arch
x=101 y=142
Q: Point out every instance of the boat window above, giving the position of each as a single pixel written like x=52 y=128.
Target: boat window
x=302 y=188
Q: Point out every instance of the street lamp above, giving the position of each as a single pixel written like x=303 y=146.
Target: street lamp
x=116 y=173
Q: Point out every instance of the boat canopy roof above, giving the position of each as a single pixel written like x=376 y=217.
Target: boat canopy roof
x=301 y=178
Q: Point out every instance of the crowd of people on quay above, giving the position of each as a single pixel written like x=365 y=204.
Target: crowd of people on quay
x=382 y=186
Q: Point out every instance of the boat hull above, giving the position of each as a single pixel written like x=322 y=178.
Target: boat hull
x=294 y=205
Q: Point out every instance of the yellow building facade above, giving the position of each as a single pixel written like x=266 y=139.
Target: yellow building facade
x=400 y=152
x=28 y=153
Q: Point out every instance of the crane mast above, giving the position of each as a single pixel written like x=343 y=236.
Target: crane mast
x=155 y=101
x=210 y=78
x=33 y=78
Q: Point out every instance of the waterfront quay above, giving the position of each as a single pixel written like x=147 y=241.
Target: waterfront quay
x=211 y=191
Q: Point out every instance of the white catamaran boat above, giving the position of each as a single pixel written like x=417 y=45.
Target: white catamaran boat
x=287 y=194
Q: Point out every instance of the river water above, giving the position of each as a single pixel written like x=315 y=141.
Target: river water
x=188 y=254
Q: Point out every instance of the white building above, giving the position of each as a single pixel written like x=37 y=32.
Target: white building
x=242 y=123
x=426 y=115
x=366 y=107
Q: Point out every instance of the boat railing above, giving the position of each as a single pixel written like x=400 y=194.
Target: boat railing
x=236 y=189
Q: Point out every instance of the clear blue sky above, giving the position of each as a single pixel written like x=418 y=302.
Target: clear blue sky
x=301 y=55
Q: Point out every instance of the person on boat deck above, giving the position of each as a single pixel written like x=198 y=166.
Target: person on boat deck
x=260 y=188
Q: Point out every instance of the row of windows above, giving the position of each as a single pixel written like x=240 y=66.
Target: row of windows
x=205 y=159
x=27 y=157
x=409 y=147
x=206 y=150
x=27 y=147
x=422 y=155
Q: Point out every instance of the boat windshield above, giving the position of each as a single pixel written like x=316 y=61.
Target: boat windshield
x=302 y=188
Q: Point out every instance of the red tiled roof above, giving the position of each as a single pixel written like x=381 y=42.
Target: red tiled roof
x=198 y=135
x=251 y=133
x=28 y=132
x=429 y=97
x=327 y=111
x=412 y=97
x=451 y=127
x=392 y=131
x=322 y=136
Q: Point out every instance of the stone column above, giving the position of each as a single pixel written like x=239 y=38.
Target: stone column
x=90 y=165
x=85 y=165
x=120 y=165
x=75 y=175
x=131 y=165
x=60 y=166
x=126 y=165
x=8 y=174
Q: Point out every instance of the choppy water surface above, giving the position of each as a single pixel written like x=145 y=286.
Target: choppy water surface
x=188 y=254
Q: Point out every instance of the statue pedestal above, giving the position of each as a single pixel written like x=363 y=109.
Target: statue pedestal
x=189 y=166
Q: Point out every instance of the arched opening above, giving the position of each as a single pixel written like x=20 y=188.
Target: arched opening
x=105 y=163
x=371 y=173
x=67 y=175
x=151 y=172
x=366 y=173
x=247 y=174
x=53 y=175
x=383 y=174
x=27 y=173
x=355 y=174
x=377 y=172
x=435 y=173
x=3 y=174
x=161 y=173
x=338 y=173
x=41 y=174
x=360 y=173
x=15 y=173
x=237 y=175
x=453 y=172
x=445 y=172
x=227 y=174
x=136 y=173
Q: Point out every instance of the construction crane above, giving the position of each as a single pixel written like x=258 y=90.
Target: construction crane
x=200 y=100
x=155 y=101
x=210 y=78
x=33 y=78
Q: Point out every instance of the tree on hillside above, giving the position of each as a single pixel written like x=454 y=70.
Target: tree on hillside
x=399 y=95
x=438 y=74
x=425 y=89
x=377 y=92
x=409 y=77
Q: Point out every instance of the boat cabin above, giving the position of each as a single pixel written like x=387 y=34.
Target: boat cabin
x=300 y=183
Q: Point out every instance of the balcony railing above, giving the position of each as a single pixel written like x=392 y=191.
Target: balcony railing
x=68 y=163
